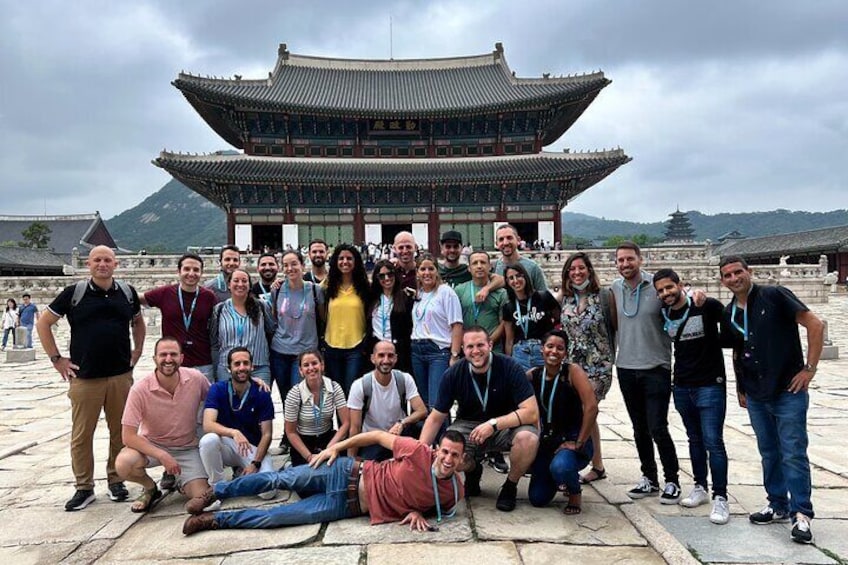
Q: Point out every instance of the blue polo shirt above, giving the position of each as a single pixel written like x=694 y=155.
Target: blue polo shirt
x=27 y=314
x=258 y=407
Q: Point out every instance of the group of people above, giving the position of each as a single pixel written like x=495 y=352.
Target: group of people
x=363 y=368
x=23 y=316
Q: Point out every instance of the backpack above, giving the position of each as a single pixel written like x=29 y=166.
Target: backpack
x=79 y=292
x=368 y=389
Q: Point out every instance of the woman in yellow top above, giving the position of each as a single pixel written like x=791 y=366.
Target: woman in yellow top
x=346 y=295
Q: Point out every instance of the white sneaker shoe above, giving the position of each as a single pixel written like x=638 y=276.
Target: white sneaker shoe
x=720 y=513
x=697 y=497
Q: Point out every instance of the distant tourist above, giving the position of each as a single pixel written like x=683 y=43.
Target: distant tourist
x=700 y=393
x=772 y=380
x=101 y=312
x=10 y=322
x=27 y=317
x=230 y=260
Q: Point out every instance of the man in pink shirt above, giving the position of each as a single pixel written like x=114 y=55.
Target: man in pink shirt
x=400 y=489
x=160 y=427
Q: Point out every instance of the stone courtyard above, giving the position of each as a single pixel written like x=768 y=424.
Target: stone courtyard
x=36 y=479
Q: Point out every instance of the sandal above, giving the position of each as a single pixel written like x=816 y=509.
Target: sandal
x=147 y=500
x=574 y=505
x=594 y=474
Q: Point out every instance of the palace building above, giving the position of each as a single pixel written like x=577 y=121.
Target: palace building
x=357 y=150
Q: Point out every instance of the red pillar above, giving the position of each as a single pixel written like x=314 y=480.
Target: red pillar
x=231 y=228
x=433 y=233
x=557 y=225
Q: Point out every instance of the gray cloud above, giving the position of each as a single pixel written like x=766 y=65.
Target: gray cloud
x=724 y=106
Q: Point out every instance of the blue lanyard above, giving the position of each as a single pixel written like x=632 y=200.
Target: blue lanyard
x=484 y=399
x=220 y=282
x=475 y=307
x=240 y=321
x=316 y=410
x=243 y=398
x=452 y=513
x=673 y=326
x=549 y=410
x=187 y=318
x=625 y=287
x=525 y=325
x=421 y=310
x=284 y=308
x=744 y=328
x=385 y=310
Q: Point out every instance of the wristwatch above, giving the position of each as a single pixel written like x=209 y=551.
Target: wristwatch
x=256 y=464
x=494 y=423
x=54 y=358
x=809 y=368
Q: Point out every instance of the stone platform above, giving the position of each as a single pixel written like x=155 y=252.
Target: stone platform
x=36 y=480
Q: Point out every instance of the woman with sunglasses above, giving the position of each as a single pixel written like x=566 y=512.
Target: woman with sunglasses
x=391 y=313
x=346 y=291
x=436 y=329
x=589 y=321
x=567 y=412
x=309 y=410
x=528 y=315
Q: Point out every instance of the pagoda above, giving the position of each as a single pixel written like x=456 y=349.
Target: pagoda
x=679 y=230
x=357 y=150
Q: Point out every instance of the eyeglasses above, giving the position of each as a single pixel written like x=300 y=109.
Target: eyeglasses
x=385 y=276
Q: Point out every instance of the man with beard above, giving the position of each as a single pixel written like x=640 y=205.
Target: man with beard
x=450 y=269
x=417 y=480
x=772 y=380
x=507 y=241
x=267 y=268
x=497 y=411
x=238 y=420
x=230 y=260
x=405 y=248
x=186 y=308
x=160 y=427
x=318 y=259
x=378 y=402
x=700 y=394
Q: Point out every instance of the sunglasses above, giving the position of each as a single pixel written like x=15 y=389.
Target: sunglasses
x=385 y=276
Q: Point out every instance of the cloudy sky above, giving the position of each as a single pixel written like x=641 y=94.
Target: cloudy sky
x=724 y=106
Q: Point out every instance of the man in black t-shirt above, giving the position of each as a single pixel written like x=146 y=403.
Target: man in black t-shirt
x=99 y=368
x=700 y=394
x=497 y=411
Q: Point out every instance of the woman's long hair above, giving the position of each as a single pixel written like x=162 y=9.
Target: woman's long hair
x=594 y=282
x=14 y=304
x=399 y=298
x=334 y=276
x=528 y=284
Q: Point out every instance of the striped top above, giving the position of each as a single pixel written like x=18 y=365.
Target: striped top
x=300 y=407
x=228 y=329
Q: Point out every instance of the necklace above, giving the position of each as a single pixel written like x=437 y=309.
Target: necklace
x=232 y=394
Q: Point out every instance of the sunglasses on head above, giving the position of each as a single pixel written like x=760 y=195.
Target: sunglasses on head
x=384 y=276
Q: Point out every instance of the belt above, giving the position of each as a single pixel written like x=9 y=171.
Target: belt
x=353 y=488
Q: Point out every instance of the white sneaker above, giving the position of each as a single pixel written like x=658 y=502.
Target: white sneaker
x=697 y=497
x=720 y=513
x=214 y=507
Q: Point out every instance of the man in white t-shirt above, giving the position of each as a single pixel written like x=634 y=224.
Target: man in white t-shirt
x=378 y=401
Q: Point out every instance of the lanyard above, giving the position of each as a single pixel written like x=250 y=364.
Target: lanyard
x=624 y=287
x=187 y=318
x=484 y=399
x=744 y=328
x=243 y=398
x=452 y=513
x=386 y=306
x=525 y=325
x=673 y=326
x=549 y=410
x=475 y=307
x=285 y=305
x=316 y=410
x=421 y=310
x=220 y=282
x=240 y=321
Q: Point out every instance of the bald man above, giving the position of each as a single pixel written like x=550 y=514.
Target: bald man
x=101 y=312
x=405 y=248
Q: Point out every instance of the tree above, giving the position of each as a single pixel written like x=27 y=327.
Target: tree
x=37 y=236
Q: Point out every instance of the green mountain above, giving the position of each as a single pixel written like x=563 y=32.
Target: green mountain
x=174 y=218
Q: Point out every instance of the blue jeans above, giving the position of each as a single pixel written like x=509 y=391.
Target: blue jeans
x=6 y=333
x=208 y=372
x=429 y=363
x=780 y=425
x=325 y=489
x=343 y=365
x=29 y=335
x=550 y=470
x=528 y=353
x=702 y=409
x=284 y=372
x=646 y=395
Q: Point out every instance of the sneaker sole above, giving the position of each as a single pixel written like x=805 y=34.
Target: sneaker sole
x=641 y=495
x=122 y=498
x=775 y=521
x=691 y=504
x=720 y=522
x=81 y=506
x=802 y=541
x=669 y=501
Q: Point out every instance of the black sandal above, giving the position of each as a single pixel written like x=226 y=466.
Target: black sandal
x=598 y=475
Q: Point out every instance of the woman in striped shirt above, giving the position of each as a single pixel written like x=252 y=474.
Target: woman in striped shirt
x=309 y=410
x=241 y=320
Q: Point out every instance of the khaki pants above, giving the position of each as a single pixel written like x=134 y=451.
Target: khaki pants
x=88 y=397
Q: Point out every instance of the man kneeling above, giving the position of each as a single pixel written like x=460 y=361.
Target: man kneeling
x=345 y=487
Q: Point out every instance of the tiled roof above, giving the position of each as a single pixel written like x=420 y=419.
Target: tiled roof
x=67 y=231
x=411 y=88
x=383 y=172
x=24 y=257
x=824 y=240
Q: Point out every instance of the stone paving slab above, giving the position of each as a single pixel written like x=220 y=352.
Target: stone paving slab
x=746 y=544
x=161 y=538
x=51 y=525
x=832 y=535
x=548 y=553
x=36 y=554
x=343 y=555
x=359 y=531
x=504 y=553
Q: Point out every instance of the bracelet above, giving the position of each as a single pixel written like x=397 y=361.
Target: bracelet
x=256 y=464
